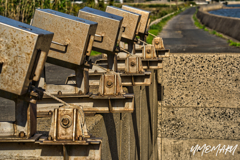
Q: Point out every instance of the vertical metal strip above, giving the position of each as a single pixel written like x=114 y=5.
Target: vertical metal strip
x=55 y=124
x=115 y=88
x=74 y=123
x=103 y=86
x=137 y=64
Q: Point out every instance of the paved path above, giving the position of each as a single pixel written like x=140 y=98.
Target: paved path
x=180 y=35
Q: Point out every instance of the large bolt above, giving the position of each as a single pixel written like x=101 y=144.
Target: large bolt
x=65 y=121
x=109 y=84
x=132 y=64
x=148 y=51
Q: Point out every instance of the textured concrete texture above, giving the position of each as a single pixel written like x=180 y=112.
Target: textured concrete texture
x=201 y=80
x=200 y=102
x=226 y=25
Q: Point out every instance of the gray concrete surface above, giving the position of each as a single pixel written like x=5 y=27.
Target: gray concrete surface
x=200 y=102
x=180 y=35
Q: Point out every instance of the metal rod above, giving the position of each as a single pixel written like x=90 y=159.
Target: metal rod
x=152 y=34
x=142 y=41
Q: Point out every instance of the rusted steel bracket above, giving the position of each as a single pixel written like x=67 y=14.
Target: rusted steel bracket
x=94 y=104
x=38 y=147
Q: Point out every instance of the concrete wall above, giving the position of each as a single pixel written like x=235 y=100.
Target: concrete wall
x=226 y=25
x=200 y=105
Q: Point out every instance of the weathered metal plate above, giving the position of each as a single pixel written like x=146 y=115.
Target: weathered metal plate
x=71 y=32
x=93 y=104
x=130 y=21
x=144 y=17
x=108 y=28
x=20 y=47
x=16 y=150
x=7 y=110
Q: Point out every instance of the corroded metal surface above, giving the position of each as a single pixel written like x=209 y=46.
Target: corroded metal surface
x=78 y=151
x=144 y=17
x=130 y=21
x=108 y=29
x=133 y=64
x=95 y=104
x=110 y=84
x=71 y=35
x=66 y=126
x=149 y=52
x=157 y=42
x=20 y=48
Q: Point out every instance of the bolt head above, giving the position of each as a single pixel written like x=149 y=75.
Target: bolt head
x=65 y=121
x=109 y=84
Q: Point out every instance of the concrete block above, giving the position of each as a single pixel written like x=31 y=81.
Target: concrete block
x=201 y=80
x=179 y=149
x=218 y=123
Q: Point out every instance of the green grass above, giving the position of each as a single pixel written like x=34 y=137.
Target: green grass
x=94 y=53
x=157 y=28
x=200 y=26
x=232 y=43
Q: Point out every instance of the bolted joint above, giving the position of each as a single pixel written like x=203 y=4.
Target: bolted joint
x=133 y=64
x=109 y=84
x=148 y=51
x=65 y=121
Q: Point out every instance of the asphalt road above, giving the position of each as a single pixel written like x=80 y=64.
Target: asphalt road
x=180 y=35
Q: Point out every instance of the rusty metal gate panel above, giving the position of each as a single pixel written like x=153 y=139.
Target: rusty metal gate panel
x=71 y=35
x=24 y=49
x=108 y=30
x=144 y=21
x=130 y=21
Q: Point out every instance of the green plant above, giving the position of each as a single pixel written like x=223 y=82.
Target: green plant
x=94 y=53
x=232 y=43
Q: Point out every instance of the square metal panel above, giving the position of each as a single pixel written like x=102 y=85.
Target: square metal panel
x=144 y=17
x=21 y=48
x=108 y=28
x=71 y=32
x=130 y=21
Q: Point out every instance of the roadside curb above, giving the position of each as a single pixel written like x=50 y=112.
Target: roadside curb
x=159 y=19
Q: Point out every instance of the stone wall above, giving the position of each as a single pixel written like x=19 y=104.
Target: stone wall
x=226 y=25
x=200 y=105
